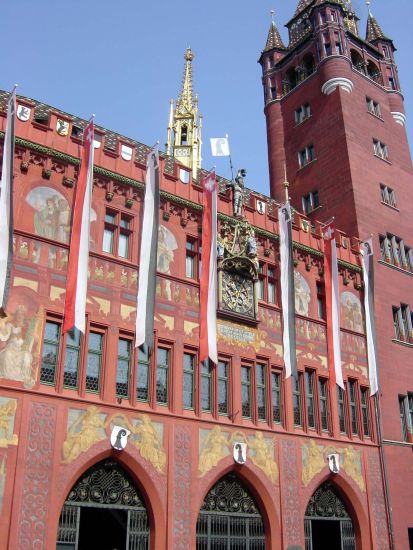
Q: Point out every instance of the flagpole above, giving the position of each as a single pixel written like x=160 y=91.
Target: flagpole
x=230 y=161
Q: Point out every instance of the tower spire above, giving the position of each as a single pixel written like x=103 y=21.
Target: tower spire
x=185 y=98
x=373 y=31
x=274 y=39
x=184 y=140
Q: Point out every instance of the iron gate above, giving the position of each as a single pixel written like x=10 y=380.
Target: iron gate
x=105 y=485
x=326 y=505
x=229 y=519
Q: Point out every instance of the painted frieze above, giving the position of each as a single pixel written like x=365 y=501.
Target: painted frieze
x=315 y=459
x=216 y=444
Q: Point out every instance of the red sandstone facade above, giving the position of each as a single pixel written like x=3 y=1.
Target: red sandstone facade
x=349 y=173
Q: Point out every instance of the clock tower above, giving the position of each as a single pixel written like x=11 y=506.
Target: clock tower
x=184 y=140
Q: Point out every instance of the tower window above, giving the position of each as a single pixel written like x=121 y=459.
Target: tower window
x=373 y=107
x=333 y=15
x=306 y=156
x=403 y=415
x=310 y=202
x=302 y=113
x=393 y=251
x=327 y=43
x=380 y=149
x=388 y=196
x=184 y=135
x=337 y=41
x=386 y=51
x=403 y=323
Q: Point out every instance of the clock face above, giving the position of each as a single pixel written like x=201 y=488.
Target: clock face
x=238 y=293
x=183 y=152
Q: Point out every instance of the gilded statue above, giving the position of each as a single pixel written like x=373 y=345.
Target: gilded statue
x=213 y=450
x=85 y=431
x=264 y=456
x=149 y=443
x=352 y=466
x=313 y=461
x=7 y=412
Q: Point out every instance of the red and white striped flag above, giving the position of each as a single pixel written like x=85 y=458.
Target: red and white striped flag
x=75 y=305
x=208 y=286
x=332 y=305
x=6 y=205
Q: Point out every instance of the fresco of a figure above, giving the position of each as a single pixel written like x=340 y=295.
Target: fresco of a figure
x=52 y=214
x=351 y=312
x=166 y=246
x=302 y=294
x=19 y=343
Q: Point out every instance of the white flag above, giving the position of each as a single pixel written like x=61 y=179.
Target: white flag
x=220 y=147
x=6 y=205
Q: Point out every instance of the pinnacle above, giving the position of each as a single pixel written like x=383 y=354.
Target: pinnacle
x=274 y=39
x=374 y=31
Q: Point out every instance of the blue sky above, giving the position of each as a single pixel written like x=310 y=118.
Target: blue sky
x=124 y=60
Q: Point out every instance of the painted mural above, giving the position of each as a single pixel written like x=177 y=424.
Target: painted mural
x=20 y=340
x=314 y=460
x=52 y=213
x=84 y=429
x=146 y=436
x=7 y=413
x=351 y=312
x=216 y=444
x=302 y=294
x=166 y=246
x=87 y=427
x=52 y=216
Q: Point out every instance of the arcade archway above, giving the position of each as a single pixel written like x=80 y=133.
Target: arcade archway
x=104 y=510
x=327 y=523
x=229 y=518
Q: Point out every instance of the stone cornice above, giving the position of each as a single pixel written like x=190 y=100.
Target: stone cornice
x=165 y=195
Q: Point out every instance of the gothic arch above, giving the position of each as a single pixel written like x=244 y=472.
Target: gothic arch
x=138 y=472
x=258 y=490
x=352 y=502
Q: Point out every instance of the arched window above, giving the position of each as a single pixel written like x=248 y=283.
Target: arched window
x=357 y=61
x=104 y=509
x=229 y=518
x=327 y=523
x=374 y=72
x=308 y=64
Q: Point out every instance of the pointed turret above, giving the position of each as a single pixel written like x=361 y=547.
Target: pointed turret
x=373 y=31
x=185 y=124
x=274 y=39
x=302 y=4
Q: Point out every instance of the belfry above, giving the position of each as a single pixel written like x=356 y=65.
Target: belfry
x=184 y=136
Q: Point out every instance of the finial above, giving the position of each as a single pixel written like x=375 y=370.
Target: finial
x=368 y=7
x=272 y=12
x=189 y=56
x=286 y=183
